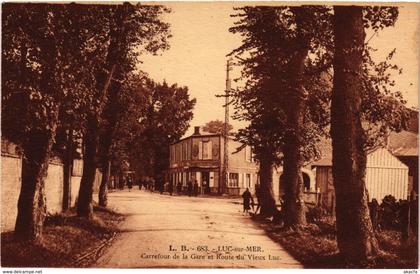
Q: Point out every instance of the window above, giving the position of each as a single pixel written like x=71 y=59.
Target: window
x=249 y=156
x=207 y=150
x=248 y=180
x=188 y=144
x=233 y=179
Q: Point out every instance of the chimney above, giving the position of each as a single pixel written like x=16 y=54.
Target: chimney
x=196 y=131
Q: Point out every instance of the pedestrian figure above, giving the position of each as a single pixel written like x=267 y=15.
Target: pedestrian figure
x=247 y=197
x=171 y=187
x=140 y=183
x=129 y=183
x=149 y=184
x=161 y=187
x=258 y=194
x=189 y=188
x=179 y=187
x=204 y=188
x=195 y=188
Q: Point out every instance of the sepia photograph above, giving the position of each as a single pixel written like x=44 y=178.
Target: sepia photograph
x=208 y=135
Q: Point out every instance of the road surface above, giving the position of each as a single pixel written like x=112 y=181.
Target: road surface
x=163 y=231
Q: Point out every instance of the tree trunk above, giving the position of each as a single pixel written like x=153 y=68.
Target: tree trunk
x=111 y=115
x=103 y=188
x=32 y=201
x=84 y=207
x=294 y=207
x=355 y=236
x=268 y=203
x=84 y=202
x=294 y=204
x=67 y=170
x=91 y=139
x=294 y=211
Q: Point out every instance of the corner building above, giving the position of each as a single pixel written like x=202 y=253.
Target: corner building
x=201 y=157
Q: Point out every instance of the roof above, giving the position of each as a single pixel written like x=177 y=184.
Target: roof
x=201 y=135
x=326 y=161
x=400 y=144
x=378 y=157
x=403 y=143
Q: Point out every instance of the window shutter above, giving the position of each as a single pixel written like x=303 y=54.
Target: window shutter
x=209 y=150
x=200 y=150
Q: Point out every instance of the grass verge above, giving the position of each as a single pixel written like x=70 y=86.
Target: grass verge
x=68 y=241
x=315 y=246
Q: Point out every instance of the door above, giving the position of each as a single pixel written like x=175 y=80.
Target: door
x=205 y=182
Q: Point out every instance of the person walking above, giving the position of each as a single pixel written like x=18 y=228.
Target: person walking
x=190 y=188
x=139 y=182
x=171 y=187
x=195 y=188
x=247 y=197
x=129 y=183
x=179 y=188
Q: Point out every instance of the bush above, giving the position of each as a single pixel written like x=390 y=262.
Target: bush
x=389 y=213
x=315 y=214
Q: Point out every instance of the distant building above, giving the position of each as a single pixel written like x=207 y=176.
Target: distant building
x=201 y=157
x=404 y=146
x=385 y=175
x=391 y=170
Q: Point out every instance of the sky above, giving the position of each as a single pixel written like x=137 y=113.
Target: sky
x=201 y=41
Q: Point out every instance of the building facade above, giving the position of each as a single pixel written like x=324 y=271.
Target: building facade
x=200 y=157
x=385 y=175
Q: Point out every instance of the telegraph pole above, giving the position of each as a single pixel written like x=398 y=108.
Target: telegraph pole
x=226 y=137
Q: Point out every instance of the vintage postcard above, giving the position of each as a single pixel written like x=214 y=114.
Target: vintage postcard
x=209 y=135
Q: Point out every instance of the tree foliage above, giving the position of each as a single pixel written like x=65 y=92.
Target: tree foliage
x=271 y=85
x=217 y=126
x=269 y=41
x=165 y=119
x=60 y=60
x=277 y=72
x=45 y=64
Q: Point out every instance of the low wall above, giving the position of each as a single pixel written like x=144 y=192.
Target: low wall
x=11 y=170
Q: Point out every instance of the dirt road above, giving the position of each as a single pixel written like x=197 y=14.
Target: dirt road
x=165 y=231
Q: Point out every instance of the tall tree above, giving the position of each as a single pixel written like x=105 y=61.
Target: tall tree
x=43 y=68
x=86 y=44
x=126 y=105
x=131 y=28
x=279 y=73
x=167 y=115
x=352 y=82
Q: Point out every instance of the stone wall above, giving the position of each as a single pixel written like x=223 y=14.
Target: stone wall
x=11 y=170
